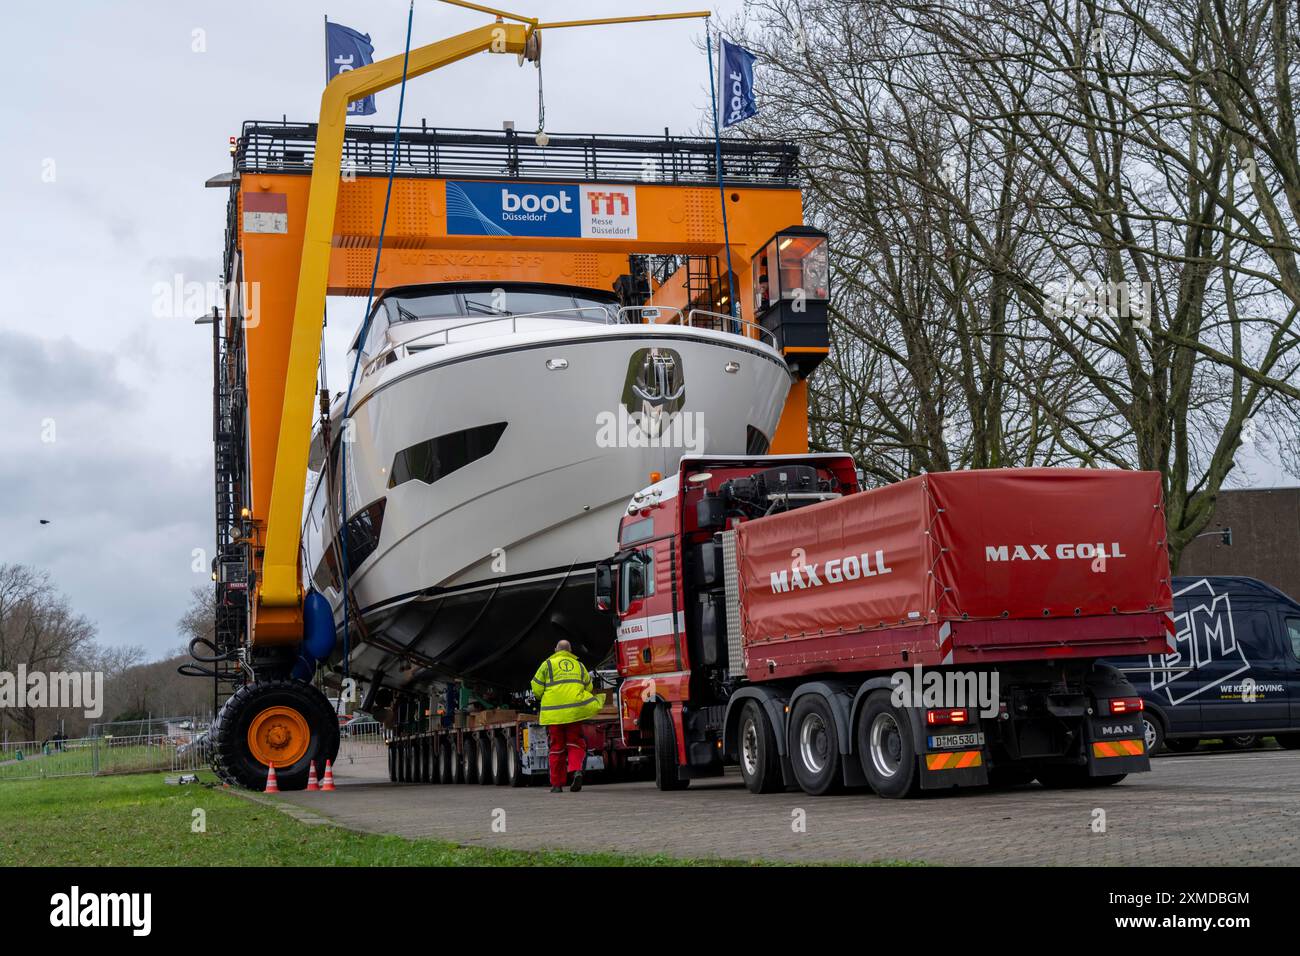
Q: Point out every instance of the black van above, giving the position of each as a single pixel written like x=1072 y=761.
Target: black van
x=1235 y=674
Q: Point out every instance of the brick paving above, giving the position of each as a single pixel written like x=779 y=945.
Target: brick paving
x=1204 y=809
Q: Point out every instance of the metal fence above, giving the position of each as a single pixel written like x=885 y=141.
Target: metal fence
x=94 y=756
x=490 y=154
x=362 y=739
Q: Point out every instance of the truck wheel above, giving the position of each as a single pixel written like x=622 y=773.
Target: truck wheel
x=760 y=763
x=886 y=748
x=483 y=750
x=814 y=746
x=666 y=752
x=1182 y=745
x=1288 y=741
x=1153 y=731
x=514 y=767
x=500 y=766
x=285 y=722
x=469 y=761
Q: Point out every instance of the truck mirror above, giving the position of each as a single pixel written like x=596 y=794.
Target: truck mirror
x=604 y=587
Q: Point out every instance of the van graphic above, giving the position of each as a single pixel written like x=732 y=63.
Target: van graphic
x=1204 y=633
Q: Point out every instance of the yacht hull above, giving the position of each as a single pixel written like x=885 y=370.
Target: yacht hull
x=477 y=573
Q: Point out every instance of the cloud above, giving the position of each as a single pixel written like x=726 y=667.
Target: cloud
x=58 y=372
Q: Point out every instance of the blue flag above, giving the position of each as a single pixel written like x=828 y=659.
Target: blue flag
x=346 y=49
x=735 y=84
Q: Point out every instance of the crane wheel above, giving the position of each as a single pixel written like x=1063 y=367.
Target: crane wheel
x=283 y=721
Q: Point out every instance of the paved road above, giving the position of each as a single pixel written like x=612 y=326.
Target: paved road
x=1205 y=809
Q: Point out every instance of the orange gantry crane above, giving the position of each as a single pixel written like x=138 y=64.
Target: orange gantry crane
x=304 y=221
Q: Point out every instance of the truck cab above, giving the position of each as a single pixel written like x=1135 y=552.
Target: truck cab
x=672 y=640
x=1234 y=671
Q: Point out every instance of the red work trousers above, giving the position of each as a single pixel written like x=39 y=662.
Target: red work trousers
x=568 y=751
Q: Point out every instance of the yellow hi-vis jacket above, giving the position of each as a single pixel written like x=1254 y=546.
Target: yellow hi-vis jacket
x=563 y=686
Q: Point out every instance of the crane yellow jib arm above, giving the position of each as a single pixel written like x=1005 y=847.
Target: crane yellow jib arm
x=278 y=590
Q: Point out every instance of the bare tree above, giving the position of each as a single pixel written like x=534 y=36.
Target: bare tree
x=39 y=632
x=1063 y=233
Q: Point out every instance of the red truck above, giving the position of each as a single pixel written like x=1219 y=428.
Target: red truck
x=944 y=631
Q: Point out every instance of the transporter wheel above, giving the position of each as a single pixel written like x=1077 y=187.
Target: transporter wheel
x=814 y=746
x=500 y=765
x=428 y=767
x=1153 y=732
x=443 y=761
x=455 y=762
x=285 y=722
x=483 y=759
x=469 y=761
x=1182 y=745
x=760 y=763
x=514 y=766
x=1288 y=741
x=392 y=763
x=666 y=752
x=886 y=748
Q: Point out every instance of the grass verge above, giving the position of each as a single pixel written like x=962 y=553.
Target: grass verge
x=141 y=821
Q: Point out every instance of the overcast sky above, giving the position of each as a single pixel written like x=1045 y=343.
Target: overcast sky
x=113 y=120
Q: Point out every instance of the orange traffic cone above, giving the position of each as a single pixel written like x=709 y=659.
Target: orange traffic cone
x=311 y=777
x=271 y=785
x=327 y=783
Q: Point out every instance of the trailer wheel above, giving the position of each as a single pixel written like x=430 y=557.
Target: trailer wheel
x=483 y=760
x=814 y=746
x=428 y=766
x=469 y=761
x=500 y=765
x=446 y=761
x=760 y=763
x=456 y=761
x=514 y=766
x=286 y=722
x=392 y=762
x=1153 y=731
x=666 y=752
x=886 y=748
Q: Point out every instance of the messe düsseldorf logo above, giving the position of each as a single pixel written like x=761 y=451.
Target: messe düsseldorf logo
x=562 y=210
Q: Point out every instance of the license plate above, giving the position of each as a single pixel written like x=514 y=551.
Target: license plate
x=955 y=741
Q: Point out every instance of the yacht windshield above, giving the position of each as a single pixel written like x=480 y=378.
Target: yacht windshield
x=498 y=300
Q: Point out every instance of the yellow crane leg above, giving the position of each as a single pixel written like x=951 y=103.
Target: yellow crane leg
x=279 y=614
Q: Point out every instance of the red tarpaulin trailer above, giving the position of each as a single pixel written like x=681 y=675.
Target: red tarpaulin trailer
x=959 y=567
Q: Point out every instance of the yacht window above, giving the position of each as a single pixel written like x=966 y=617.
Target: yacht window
x=436 y=458
x=435 y=305
x=756 y=443
x=514 y=301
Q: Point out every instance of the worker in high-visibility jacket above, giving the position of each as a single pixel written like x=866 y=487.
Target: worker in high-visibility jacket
x=564 y=691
